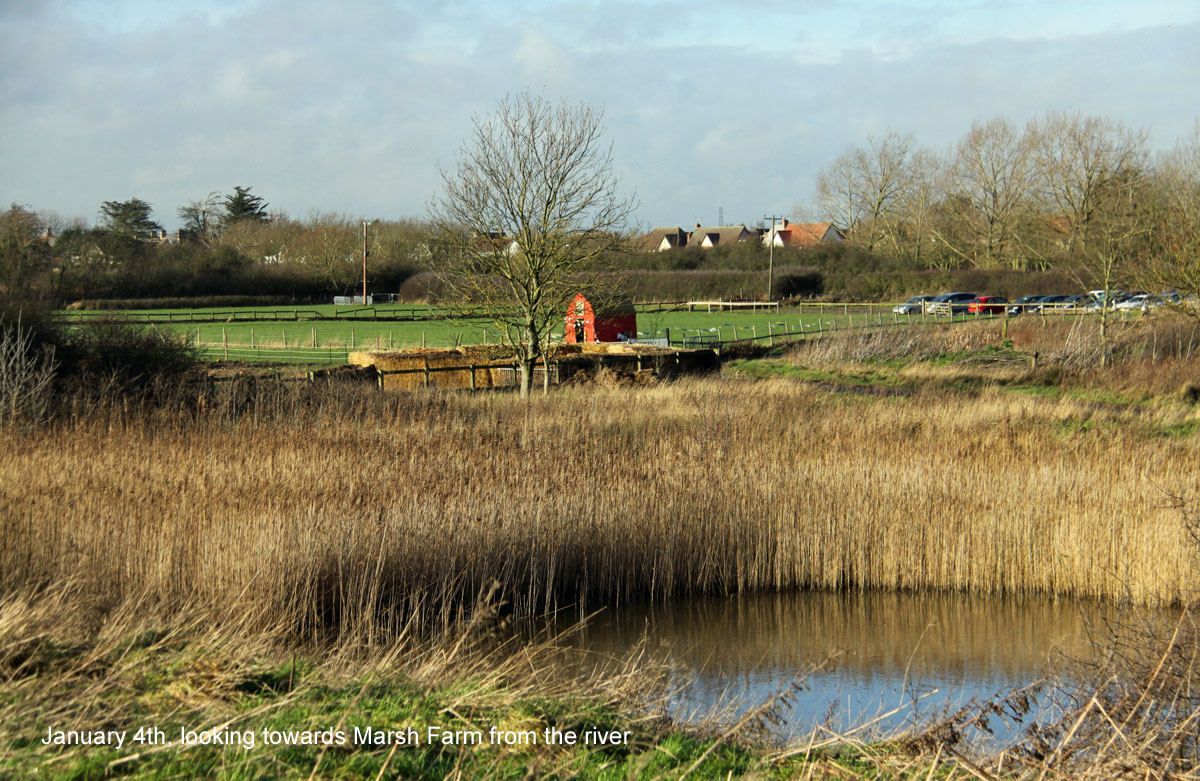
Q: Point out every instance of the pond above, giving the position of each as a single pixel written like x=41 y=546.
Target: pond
x=890 y=659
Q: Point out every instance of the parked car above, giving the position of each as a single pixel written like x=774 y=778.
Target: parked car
x=1022 y=304
x=949 y=304
x=913 y=306
x=1045 y=302
x=1107 y=295
x=1074 y=302
x=1139 y=303
x=987 y=305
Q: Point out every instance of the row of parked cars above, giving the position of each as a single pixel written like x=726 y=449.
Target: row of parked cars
x=949 y=304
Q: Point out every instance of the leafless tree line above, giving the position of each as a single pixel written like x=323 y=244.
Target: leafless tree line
x=1067 y=188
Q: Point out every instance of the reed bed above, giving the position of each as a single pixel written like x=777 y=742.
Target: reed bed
x=352 y=512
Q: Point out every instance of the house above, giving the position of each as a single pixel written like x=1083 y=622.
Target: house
x=600 y=320
x=707 y=238
x=808 y=234
x=495 y=243
x=663 y=239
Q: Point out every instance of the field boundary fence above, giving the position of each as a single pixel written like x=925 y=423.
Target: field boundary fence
x=329 y=354
x=508 y=371
x=369 y=313
x=776 y=333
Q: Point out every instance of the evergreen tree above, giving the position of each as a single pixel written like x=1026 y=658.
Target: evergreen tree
x=129 y=219
x=244 y=206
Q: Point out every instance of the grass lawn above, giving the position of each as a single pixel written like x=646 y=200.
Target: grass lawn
x=262 y=339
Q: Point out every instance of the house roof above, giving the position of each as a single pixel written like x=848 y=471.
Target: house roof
x=676 y=237
x=720 y=234
x=807 y=234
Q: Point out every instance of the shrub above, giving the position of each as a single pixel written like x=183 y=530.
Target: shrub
x=123 y=356
x=27 y=369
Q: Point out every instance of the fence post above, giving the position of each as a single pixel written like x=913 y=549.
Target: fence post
x=472 y=376
x=225 y=342
x=426 y=372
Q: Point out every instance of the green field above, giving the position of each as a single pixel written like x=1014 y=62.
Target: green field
x=284 y=335
x=331 y=335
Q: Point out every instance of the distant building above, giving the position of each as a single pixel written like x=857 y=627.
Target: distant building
x=808 y=234
x=720 y=235
x=663 y=239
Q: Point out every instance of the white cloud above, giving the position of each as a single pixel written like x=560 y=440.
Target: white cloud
x=351 y=106
x=541 y=59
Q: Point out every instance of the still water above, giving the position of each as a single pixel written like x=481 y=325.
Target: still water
x=921 y=653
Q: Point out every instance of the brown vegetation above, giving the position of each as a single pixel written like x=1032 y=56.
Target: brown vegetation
x=366 y=509
x=336 y=516
x=1156 y=356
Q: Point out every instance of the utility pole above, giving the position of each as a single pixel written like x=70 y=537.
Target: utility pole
x=364 y=301
x=771 y=256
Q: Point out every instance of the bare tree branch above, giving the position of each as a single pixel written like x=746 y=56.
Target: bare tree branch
x=531 y=206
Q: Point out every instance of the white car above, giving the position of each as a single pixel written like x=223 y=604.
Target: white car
x=1140 y=303
x=913 y=306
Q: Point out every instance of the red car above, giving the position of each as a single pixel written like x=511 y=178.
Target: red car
x=987 y=305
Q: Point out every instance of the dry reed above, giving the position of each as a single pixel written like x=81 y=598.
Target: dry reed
x=351 y=511
x=1155 y=355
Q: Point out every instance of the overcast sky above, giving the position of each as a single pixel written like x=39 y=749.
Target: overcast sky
x=352 y=106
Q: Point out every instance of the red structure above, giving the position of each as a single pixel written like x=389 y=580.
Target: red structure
x=612 y=321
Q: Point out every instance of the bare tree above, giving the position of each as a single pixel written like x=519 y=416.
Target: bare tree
x=26 y=374
x=989 y=183
x=329 y=245
x=24 y=249
x=259 y=240
x=1118 y=234
x=1076 y=158
x=1173 y=262
x=531 y=204
x=861 y=190
x=839 y=196
x=917 y=209
x=202 y=219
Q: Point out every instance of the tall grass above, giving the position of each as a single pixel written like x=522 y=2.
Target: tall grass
x=351 y=512
x=1157 y=355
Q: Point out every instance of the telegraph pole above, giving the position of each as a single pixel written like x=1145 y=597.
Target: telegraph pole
x=364 y=301
x=771 y=257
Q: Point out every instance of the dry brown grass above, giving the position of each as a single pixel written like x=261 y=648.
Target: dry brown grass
x=1152 y=355
x=350 y=512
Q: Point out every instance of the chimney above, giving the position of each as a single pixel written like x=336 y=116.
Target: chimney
x=697 y=226
x=785 y=222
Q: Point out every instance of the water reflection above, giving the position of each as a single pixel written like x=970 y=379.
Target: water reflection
x=894 y=647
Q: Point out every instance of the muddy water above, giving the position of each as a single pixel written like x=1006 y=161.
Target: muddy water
x=921 y=653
